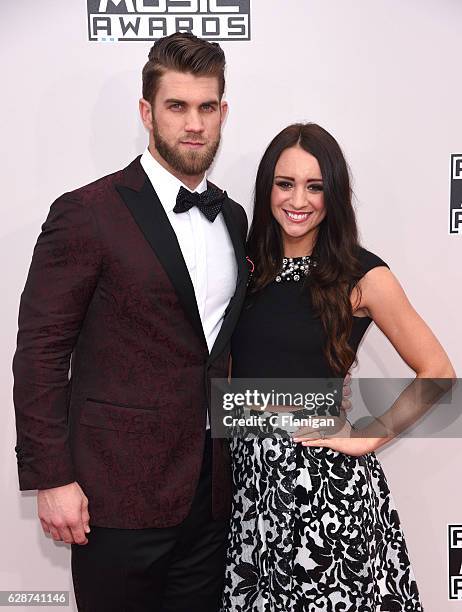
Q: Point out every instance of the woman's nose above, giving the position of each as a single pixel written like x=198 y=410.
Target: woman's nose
x=299 y=198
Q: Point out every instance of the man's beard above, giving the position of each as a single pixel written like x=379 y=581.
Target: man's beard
x=189 y=163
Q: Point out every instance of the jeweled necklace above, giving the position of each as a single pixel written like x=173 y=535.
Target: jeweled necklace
x=295 y=268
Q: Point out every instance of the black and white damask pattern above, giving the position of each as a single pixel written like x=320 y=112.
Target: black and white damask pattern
x=314 y=530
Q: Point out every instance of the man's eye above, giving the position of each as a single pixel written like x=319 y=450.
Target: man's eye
x=176 y=106
x=207 y=108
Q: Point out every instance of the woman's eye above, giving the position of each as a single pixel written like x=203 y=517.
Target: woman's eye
x=316 y=187
x=284 y=184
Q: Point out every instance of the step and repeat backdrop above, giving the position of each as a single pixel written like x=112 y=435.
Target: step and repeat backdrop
x=383 y=76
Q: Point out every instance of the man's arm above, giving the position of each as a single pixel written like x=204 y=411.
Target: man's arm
x=61 y=281
x=240 y=216
x=244 y=224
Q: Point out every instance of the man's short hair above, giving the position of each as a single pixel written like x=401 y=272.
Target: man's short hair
x=183 y=52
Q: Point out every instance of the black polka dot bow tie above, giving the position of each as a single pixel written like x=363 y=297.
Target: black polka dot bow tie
x=209 y=202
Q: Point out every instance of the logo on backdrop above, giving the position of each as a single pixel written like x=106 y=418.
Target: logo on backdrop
x=455 y=561
x=455 y=213
x=132 y=20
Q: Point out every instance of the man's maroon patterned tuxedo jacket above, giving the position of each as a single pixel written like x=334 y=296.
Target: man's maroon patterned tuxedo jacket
x=109 y=294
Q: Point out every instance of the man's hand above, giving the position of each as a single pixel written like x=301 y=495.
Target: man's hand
x=63 y=512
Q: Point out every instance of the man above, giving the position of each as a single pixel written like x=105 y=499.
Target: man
x=136 y=285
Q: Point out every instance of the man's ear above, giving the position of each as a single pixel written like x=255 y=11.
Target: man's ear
x=146 y=113
x=224 y=110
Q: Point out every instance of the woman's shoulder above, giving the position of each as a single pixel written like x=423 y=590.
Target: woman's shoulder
x=368 y=260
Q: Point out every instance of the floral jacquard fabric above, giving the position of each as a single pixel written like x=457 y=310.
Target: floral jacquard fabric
x=314 y=530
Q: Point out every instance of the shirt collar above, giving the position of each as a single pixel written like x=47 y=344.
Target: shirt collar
x=166 y=185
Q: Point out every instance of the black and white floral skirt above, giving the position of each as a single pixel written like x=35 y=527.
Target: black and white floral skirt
x=313 y=529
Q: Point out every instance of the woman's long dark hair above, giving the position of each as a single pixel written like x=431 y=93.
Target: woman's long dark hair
x=336 y=248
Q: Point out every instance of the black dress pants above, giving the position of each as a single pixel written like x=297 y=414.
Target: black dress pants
x=176 y=569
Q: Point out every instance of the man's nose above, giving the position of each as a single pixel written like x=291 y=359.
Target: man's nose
x=194 y=122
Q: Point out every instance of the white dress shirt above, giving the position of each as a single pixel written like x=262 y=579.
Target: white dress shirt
x=206 y=247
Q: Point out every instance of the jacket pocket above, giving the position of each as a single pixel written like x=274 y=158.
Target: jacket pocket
x=118 y=417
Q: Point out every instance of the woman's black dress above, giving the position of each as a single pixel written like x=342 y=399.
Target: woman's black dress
x=312 y=529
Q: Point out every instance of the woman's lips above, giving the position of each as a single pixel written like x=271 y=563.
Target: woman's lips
x=297 y=217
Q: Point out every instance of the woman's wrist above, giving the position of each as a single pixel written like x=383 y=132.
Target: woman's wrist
x=371 y=444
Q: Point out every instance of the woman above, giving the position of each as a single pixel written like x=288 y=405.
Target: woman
x=314 y=526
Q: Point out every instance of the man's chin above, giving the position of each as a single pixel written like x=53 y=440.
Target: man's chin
x=193 y=164
x=187 y=162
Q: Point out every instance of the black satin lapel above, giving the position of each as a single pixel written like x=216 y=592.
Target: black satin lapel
x=236 y=302
x=238 y=242
x=152 y=220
